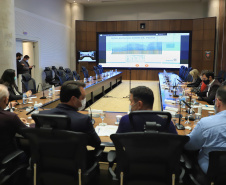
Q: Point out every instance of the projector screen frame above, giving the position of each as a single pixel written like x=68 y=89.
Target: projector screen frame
x=144 y=32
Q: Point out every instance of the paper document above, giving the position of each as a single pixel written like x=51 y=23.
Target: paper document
x=106 y=130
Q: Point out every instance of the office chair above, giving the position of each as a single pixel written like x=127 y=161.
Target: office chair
x=215 y=173
x=85 y=72
x=55 y=73
x=54 y=121
x=28 y=83
x=13 y=172
x=76 y=75
x=62 y=77
x=148 y=158
x=96 y=70
x=49 y=77
x=101 y=70
x=143 y=121
x=68 y=74
x=60 y=157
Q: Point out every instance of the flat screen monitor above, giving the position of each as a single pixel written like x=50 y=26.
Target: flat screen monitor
x=144 y=49
x=87 y=56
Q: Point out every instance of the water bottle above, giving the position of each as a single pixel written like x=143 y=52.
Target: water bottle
x=50 y=92
x=53 y=89
x=36 y=105
x=24 y=98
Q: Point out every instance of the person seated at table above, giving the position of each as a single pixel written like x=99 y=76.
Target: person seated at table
x=142 y=98
x=210 y=133
x=202 y=86
x=73 y=98
x=196 y=79
x=10 y=124
x=212 y=85
x=8 y=79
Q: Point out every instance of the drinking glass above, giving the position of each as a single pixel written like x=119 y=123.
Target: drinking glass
x=102 y=116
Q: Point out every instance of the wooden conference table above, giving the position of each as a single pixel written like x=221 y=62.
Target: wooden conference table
x=96 y=87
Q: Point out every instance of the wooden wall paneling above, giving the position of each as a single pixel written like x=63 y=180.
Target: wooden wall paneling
x=197 y=35
x=111 y=26
x=142 y=74
x=124 y=74
x=143 y=22
x=121 y=26
x=186 y=25
x=197 y=45
x=80 y=25
x=208 y=44
x=209 y=34
x=81 y=36
x=80 y=45
x=133 y=74
x=198 y=24
x=101 y=26
x=153 y=74
x=91 y=36
x=209 y=23
x=153 y=25
x=197 y=60
x=91 y=26
x=91 y=46
x=131 y=26
x=208 y=62
x=164 y=25
x=174 y=25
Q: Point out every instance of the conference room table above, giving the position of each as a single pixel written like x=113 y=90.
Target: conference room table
x=99 y=86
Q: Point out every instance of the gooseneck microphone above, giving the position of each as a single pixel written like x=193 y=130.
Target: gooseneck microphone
x=90 y=115
x=43 y=96
x=178 y=125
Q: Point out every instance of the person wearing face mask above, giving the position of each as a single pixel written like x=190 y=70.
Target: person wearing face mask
x=26 y=67
x=142 y=98
x=210 y=134
x=8 y=79
x=212 y=85
x=73 y=99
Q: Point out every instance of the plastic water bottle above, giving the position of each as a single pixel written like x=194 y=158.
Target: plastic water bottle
x=25 y=98
x=50 y=92
x=36 y=105
x=53 y=89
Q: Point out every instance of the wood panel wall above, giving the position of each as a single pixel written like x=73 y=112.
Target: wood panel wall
x=203 y=39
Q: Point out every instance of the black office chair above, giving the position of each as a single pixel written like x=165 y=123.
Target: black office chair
x=55 y=73
x=148 y=158
x=62 y=77
x=96 y=70
x=142 y=120
x=60 y=157
x=101 y=70
x=68 y=74
x=76 y=75
x=28 y=83
x=215 y=173
x=49 y=77
x=13 y=172
x=54 y=121
x=85 y=72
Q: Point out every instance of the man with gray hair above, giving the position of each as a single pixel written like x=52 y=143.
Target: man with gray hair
x=210 y=132
x=10 y=124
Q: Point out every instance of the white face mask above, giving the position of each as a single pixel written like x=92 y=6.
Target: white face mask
x=83 y=102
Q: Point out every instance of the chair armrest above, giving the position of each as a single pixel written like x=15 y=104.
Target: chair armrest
x=111 y=156
x=12 y=156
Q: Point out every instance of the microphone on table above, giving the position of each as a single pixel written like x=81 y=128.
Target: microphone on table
x=179 y=80
x=90 y=115
x=175 y=91
x=188 y=117
x=43 y=96
x=178 y=125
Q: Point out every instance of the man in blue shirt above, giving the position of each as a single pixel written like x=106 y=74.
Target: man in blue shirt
x=142 y=98
x=210 y=132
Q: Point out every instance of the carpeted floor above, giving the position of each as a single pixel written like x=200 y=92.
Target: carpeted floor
x=115 y=100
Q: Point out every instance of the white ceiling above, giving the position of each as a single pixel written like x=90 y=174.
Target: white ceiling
x=116 y=2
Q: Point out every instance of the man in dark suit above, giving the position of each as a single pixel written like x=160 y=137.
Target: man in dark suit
x=142 y=98
x=26 y=68
x=212 y=85
x=73 y=98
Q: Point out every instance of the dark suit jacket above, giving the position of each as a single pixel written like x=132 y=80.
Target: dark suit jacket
x=79 y=122
x=25 y=68
x=211 y=94
x=19 y=67
x=12 y=95
x=196 y=83
x=10 y=124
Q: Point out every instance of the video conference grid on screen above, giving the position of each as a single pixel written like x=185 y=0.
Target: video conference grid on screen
x=144 y=50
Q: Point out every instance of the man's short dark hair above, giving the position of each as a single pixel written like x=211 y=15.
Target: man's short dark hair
x=18 y=54
x=144 y=94
x=209 y=73
x=26 y=56
x=221 y=94
x=69 y=89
